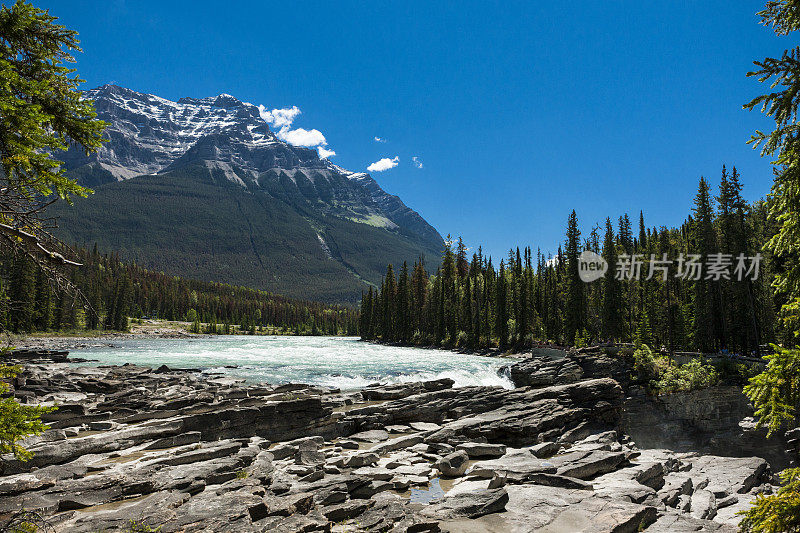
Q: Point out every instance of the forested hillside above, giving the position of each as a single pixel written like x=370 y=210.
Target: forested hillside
x=108 y=291
x=530 y=298
x=204 y=188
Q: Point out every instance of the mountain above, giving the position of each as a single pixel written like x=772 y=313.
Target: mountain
x=203 y=188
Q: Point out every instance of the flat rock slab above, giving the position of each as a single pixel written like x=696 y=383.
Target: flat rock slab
x=469 y=504
x=583 y=465
x=518 y=464
x=373 y=435
x=482 y=450
x=556 y=510
x=425 y=426
x=728 y=475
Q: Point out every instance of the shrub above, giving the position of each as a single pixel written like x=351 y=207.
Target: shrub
x=17 y=421
x=691 y=376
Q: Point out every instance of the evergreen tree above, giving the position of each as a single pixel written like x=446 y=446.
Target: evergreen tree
x=22 y=294
x=612 y=299
x=705 y=325
x=574 y=310
x=43 y=302
x=389 y=306
x=404 y=322
x=502 y=307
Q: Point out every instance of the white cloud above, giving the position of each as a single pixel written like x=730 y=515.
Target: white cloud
x=379 y=140
x=417 y=161
x=301 y=137
x=325 y=153
x=384 y=164
x=280 y=118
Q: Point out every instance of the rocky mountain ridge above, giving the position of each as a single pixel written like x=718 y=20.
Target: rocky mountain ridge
x=166 y=160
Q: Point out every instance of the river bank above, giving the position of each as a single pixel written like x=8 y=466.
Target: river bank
x=184 y=451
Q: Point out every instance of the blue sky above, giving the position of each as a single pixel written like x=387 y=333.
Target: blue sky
x=518 y=111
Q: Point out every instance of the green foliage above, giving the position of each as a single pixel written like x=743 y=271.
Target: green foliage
x=775 y=393
x=117 y=291
x=663 y=376
x=41 y=109
x=17 y=421
x=524 y=302
x=140 y=526
x=583 y=339
x=775 y=513
x=690 y=376
x=647 y=365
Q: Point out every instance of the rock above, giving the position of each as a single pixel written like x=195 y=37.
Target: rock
x=518 y=465
x=727 y=501
x=373 y=435
x=544 y=449
x=309 y=457
x=347 y=510
x=499 y=480
x=192 y=454
x=393 y=392
x=543 y=371
x=287 y=505
x=424 y=426
x=397 y=443
x=454 y=465
x=675 y=486
x=681 y=523
x=469 y=504
x=534 y=508
x=358 y=460
x=379 y=474
x=555 y=480
x=370 y=489
x=479 y=450
x=587 y=465
x=704 y=504
x=282 y=451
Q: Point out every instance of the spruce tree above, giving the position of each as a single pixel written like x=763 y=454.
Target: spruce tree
x=404 y=325
x=501 y=300
x=574 y=310
x=612 y=292
x=22 y=294
x=704 y=323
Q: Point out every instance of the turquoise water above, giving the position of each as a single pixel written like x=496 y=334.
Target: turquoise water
x=344 y=363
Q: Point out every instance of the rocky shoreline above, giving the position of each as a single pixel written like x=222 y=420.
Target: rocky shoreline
x=134 y=447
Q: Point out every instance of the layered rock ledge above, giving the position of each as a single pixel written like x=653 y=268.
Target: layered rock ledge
x=180 y=450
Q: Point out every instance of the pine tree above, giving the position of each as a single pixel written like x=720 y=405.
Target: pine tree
x=612 y=298
x=43 y=302
x=704 y=323
x=574 y=311
x=501 y=300
x=404 y=322
x=461 y=259
x=389 y=306
x=642 y=243
x=22 y=294
x=449 y=302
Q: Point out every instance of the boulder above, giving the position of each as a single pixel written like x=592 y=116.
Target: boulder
x=453 y=465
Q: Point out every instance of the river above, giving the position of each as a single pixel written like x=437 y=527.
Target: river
x=340 y=362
